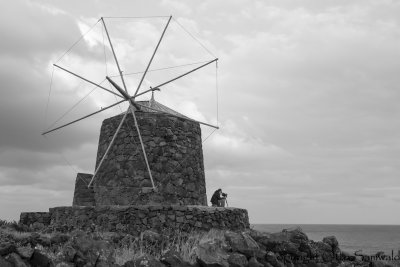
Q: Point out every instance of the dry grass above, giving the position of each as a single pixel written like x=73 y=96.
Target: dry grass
x=14 y=235
x=122 y=249
x=185 y=244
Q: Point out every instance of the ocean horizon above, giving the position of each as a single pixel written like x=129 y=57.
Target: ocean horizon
x=368 y=239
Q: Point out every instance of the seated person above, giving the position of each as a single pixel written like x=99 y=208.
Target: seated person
x=218 y=199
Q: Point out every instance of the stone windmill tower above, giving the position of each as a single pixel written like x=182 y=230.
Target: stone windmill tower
x=174 y=151
x=147 y=155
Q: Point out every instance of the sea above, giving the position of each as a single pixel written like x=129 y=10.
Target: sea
x=370 y=239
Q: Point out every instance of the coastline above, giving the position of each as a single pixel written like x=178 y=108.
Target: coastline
x=368 y=238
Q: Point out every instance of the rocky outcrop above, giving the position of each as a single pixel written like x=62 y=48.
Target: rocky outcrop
x=220 y=248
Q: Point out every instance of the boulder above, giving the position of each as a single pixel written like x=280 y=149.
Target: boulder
x=333 y=243
x=16 y=260
x=254 y=263
x=242 y=242
x=261 y=257
x=309 y=250
x=25 y=252
x=331 y=240
x=295 y=235
x=7 y=248
x=80 y=260
x=273 y=260
x=260 y=254
x=210 y=254
x=257 y=235
x=171 y=258
x=288 y=248
x=5 y=263
x=324 y=251
x=88 y=251
x=147 y=261
x=40 y=260
x=237 y=260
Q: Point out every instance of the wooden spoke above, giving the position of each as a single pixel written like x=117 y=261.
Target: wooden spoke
x=186 y=73
x=143 y=150
x=115 y=56
x=151 y=59
x=86 y=80
x=84 y=117
x=109 y=147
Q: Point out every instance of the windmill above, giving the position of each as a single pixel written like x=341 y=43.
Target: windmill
x=135 y=106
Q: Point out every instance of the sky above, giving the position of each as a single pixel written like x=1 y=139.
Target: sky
x=305 y=94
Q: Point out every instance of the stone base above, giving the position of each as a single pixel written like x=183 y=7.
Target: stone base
x=135 y=219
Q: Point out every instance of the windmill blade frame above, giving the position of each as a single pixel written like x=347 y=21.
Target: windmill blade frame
x=133 y=105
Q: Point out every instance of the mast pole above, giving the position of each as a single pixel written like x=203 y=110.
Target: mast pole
x=151 y=59
x=115 y=56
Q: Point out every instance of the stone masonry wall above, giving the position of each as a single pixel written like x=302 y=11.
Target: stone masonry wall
x=174 y=150
x=83 y=196
x=135 y=219
x=29 y=218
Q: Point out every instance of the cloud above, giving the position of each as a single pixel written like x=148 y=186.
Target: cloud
x=308 y=99
x=177 y=6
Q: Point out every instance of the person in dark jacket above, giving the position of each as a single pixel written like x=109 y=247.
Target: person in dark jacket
x=218 y=198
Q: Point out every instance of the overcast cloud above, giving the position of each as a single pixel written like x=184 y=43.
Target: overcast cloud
x=308 y=100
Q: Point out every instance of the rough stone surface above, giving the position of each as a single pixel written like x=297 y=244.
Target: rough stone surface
x=174 y=150
x=90 y=249
x=25 y=252
x=147 y=261
x=171 y=258
x=40 y=259
x=254 y=263
x=332 y=241
x=83 y=196
x=16 y=260
x=5 y=263
x=29 y=218
x=242 y=242
x=237 y=260
x=136 y=219
x=210 y=254
x=6 y=248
